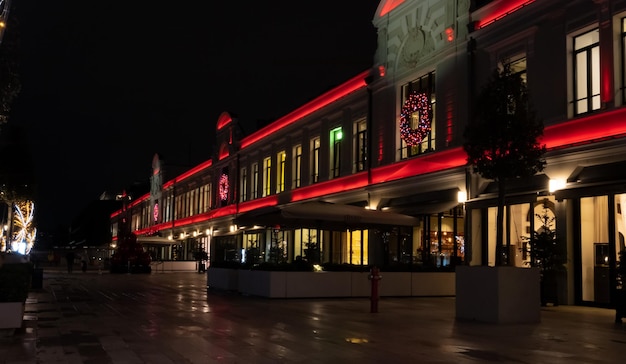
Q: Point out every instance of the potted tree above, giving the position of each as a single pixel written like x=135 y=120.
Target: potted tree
x=620 y=302
x=545 y=254
x=15 y=283
x=501 y=142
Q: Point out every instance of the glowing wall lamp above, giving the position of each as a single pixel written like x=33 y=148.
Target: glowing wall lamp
x=461 y=196
x=556 y=184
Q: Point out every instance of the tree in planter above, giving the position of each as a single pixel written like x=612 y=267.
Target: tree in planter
x=501 y=141
x=620 y=304
x=312 y=249
x=547 y=256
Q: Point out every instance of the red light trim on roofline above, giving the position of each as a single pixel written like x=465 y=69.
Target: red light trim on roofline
x=308 y=108
x=189 y=173
x=586 y=129
x=500 y=11
x=389 y=6
x=223 y=120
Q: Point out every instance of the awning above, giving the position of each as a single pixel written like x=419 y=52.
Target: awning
x=154 y=240
x=324 y=215
x=426 y=203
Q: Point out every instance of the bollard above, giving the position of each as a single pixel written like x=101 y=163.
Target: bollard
x=374 y=277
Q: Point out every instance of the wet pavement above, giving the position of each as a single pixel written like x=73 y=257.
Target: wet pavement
x=158 y=318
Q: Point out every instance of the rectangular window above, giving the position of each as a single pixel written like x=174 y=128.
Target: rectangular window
x=409 y=146
x=587 y=72
x=315 y=159
x=336 y=136
x=243 y=185
x=360 y=145
x=255 y=180
x=280 y=171
x=267 y=176
x=297 y=166
x=207 y=197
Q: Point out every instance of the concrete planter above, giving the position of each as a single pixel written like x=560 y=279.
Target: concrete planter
x=11 y=315
x=223 y=279
x=498 y=294
x=433 y=284
x=285 y=284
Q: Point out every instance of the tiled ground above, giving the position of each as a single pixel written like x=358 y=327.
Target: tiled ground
x=170 y=318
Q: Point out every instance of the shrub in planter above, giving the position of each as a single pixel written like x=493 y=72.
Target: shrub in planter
x=620 y=302
x=15 y=281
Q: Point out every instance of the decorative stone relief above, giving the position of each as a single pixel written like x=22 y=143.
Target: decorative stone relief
x=413 y=46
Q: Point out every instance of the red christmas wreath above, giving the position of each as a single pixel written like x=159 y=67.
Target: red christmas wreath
x=417 y=102
x=223 y=187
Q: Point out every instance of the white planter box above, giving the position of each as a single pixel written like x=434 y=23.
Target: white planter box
x=318 y=284
x=498 y=294
x=394 y=284
x=433 y=284
x=223 y=279
x=11 y=315
x=262 y=283
x=285 y=284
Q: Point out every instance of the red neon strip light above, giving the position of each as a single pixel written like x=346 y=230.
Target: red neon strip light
x=140 y=199
x=583 y=130
x=308 y=108
x=503 y=9
x=389 y=6
x=189 y=173
x=223 y=120
x=258 y=203
x=347 y=183
x=586 y=129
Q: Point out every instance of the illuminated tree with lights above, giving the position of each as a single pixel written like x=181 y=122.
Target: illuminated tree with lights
x=501 y=141
x=17 y=190
x=24 y=231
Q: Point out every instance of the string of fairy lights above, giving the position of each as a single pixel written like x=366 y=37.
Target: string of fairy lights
x=21 y=237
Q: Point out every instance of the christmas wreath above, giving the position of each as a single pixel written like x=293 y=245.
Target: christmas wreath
x=223 y=187
x=417 y=102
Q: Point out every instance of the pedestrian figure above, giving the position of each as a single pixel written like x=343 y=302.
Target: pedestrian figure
x=70 y=261
x=83 y=264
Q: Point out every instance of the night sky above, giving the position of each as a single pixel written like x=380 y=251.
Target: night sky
x=107 y=85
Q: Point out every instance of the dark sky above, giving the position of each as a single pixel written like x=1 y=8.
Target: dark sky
x=106 y=85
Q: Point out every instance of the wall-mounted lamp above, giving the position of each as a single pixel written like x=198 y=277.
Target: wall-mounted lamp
x=461 y=196
x=556 y=184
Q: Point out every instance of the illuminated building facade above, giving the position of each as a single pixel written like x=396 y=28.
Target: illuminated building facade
x=374 y=172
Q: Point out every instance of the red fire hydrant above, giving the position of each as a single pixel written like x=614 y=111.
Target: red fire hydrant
x=374 y=277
